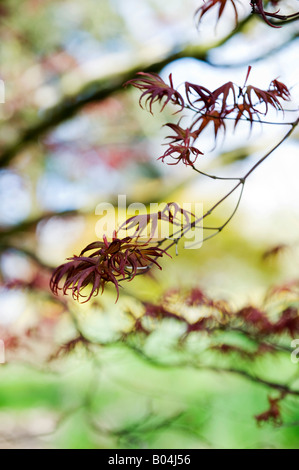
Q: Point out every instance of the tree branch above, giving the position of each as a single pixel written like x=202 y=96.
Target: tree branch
x=100 y=89
x=32 y=223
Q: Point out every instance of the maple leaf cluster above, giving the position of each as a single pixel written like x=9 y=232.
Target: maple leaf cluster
x=273 y=414
x=108 y=263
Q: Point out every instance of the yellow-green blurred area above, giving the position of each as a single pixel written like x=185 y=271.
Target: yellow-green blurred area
x=71 y=138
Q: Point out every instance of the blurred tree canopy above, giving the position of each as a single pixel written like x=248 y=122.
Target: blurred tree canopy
x=199 y=354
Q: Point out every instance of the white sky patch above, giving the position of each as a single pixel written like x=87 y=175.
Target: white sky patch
x=54 y=236
x=14 y=197
x=16 y=266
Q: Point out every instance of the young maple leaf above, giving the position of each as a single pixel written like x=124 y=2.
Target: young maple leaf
x=213 y=3
x=288 y=322
x=270 y=97
x=171 y=211
x=275 y=251
x=255 y=318
x=245 y=110
x=184 y=135
x=188 y=155
x=152 y=85
x=169 y=214
x=160 y=312
x=140 y=222
x=263 y=96
x=279 y=89
x=224 y=91
x=181 y=146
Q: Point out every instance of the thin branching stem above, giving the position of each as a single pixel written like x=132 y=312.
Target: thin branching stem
x=241 y=181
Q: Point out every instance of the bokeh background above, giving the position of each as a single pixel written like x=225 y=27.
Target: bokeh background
x=71 y=137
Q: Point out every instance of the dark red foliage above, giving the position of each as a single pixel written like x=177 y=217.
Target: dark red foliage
x=215 y=118
x=288 y=322
x=187 y=154
x=264 y=349
x=273 y=414
x=110 y=262
x=4 y=11
x=139 y=327
x=204 y=96
x=14 y=342
x=244 y=110
x=291 y=288
x=152 y=85
x=228 y=101
x=250 y=96
x=172 y=213
x=181 y=145
x=255 y=318
x=160 y=312
x=197 y=297
x=140 y=223
x=257 y=7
